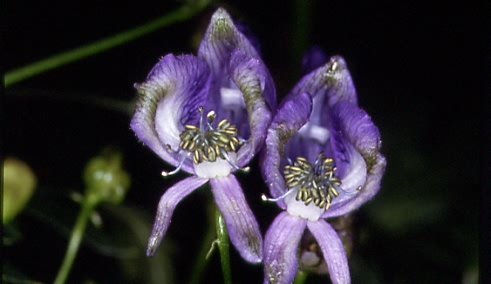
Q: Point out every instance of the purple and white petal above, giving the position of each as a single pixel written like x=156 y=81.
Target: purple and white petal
x=367 y=192
x=168 y=100
x=332 y=79
x=365 y=165
x=328 y=85
x=280 y=249
x=358 y=127
x=167 y=204
x=290 y=117
x=243 y=229
x=220 y=40
x=256 y=85
x=350 y=164
x=332 y=250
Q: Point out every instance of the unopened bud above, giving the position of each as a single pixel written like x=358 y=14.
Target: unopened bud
x=19 y=183
x=105 y=178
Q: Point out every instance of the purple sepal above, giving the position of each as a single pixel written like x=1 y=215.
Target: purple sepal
x=168 y=100
x=167 y=204
x=331 y=80
x=332 y=250
x=220 y=40
x=291 y=115
x=256 y=85
x=280 y=249
x=365 y=164
x=243 y=229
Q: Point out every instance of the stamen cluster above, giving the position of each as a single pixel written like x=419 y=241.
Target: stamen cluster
x=315 y=183
x=207 y=145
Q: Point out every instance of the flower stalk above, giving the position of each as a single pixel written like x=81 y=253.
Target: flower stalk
x=223 y=247
x=209 y=237
x=88 y=204
x=105 y=181
x=301 y=277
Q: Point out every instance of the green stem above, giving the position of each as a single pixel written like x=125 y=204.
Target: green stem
x=300 y=278
x=88 y=206
x=208 y=239
x=36 y=68
x=223 y=247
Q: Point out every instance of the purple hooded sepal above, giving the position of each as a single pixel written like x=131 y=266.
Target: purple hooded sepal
x=168 y=100
x=167 y=204
x=320 y=115
x=243 y=229
x=280 y=248
x=350 y=137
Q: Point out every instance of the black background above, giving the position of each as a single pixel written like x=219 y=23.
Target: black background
x=421 y=71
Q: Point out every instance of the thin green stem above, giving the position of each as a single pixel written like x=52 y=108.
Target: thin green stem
x=223 y=247
x=300 y=278
x=208 y=239
x=88 y=206
x=36 y=68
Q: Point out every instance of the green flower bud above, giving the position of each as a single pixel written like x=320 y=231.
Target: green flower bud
x=19 y=183
x=105 y=179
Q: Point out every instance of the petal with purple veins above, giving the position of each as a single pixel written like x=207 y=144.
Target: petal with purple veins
x=366 y=165
x=168 y=100
x=280 y=249
x=256 y=85
x=358 y=128
x=220 y=40
x=167 y=204
x=332 y=79
x=332 y=250
x=290 y=117
x=367 y=192
x=242 y=227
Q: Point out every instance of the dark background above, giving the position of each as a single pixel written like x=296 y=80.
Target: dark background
x=421 y=71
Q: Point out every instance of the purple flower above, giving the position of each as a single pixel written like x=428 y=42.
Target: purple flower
x=321 y=160
x=208 y=116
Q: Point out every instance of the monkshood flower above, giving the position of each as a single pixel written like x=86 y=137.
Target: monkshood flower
x=321 y=160
x=207 y=115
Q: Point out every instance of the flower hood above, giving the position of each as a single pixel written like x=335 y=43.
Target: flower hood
x=321 y=115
